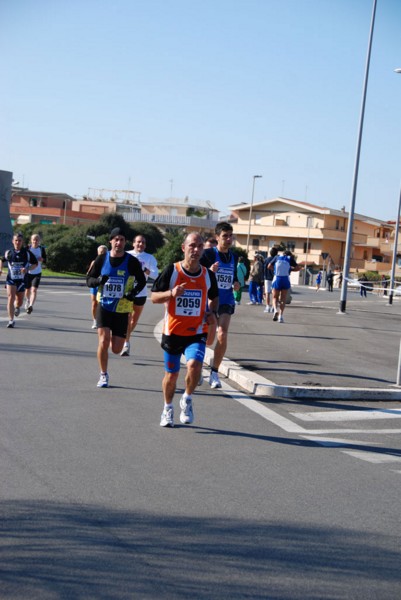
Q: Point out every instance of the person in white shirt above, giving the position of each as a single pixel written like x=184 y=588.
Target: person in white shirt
x=33 y=277
x=149 y=266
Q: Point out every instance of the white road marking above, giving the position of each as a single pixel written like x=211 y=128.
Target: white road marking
x=288 y=425
x=349 y=415
x=315 y=435
x=336 y=442
x=268 y=414
x=373 y=457
x=343 y=431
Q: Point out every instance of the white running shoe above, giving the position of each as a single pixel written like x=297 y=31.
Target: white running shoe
x=167 y=418
x=275 y=316
x=214 y=380
x=94 y=324
x=126 y=349
x=281 y=319
x=103 y=380
x=10 y=324
x=16 y=311
x=187 y=411
x=267 y=309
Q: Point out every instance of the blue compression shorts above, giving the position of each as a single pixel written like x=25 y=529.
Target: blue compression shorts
x=195 y=351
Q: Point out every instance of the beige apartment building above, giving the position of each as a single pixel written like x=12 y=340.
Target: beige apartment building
x=315 y=235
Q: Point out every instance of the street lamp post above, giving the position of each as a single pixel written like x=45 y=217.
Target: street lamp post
x=250 y=211
x=348 y=244
x=308 y=220
x=397 y=227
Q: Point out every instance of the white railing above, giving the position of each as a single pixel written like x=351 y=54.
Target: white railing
x=169 y=220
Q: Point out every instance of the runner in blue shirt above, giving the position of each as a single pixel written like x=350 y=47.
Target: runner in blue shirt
x=20 y=262
x=282 y=265
x=223 y=263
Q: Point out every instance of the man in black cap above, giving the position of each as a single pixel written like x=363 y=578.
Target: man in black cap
x=120 y=278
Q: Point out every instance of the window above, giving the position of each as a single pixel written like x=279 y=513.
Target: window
x=307 y=249
x=255 y=243
x=291 y=246
x=33 y=201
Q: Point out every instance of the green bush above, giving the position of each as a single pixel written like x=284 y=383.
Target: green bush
x=171 y=252
x=72 y=249
x=72 y=252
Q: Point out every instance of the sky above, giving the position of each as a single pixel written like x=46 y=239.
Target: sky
x=195 y=97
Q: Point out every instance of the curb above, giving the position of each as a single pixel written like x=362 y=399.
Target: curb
x=258 y=386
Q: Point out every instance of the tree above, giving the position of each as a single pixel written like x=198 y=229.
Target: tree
x=48 y=233
x=171 y=252
x=107 y=223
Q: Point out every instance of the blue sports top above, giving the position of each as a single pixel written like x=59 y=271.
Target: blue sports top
x=225 y=278
x=282 y=266
x=120 y=282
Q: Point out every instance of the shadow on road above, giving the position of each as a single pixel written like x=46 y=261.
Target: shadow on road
x=61 y=550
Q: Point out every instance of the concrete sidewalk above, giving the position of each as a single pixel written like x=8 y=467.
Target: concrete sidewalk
x=317 y=353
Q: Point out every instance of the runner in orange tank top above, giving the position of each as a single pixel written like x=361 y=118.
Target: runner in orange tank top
x=190 y=294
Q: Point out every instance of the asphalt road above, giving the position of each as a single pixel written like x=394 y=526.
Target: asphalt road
x=257 y=499
x=318 y=346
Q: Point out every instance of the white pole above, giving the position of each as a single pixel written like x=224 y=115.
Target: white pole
x=399 y=367
x=250 y=212
x=348 y=244
x=397 y=228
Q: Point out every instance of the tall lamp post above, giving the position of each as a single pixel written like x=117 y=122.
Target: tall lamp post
x=397 y=228
x=250 y=211
x=308 y=221
x=348 y=244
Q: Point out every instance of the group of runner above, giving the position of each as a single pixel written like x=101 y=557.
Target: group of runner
x=197 y=293
x=23 y=276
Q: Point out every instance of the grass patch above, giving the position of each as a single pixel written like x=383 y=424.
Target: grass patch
x=49 y=273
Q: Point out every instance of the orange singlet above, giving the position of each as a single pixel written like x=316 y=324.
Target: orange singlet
x=185 y=315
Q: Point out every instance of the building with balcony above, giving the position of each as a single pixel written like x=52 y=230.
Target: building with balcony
x=195 y=215
x=316 y=235
x=29 y=206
